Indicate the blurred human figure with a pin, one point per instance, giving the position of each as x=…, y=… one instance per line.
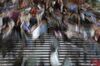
x=40, y=12
x=0, y=24
x=54, y=58
x=8, y=28
x=15, y=16
x=7, y=25
x=40, y=29
x=33, y=20
x=58, y=5
x=6, y=35
x=67, y=62
x=97, y=35
x=25, y=18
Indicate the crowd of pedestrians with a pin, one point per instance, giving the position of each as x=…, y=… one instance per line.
x=21, y=18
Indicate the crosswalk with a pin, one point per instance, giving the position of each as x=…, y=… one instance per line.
x=80, y=52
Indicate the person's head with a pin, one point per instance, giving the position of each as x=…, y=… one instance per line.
x=13, y=1
x=33, y=11
x=25, y=12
